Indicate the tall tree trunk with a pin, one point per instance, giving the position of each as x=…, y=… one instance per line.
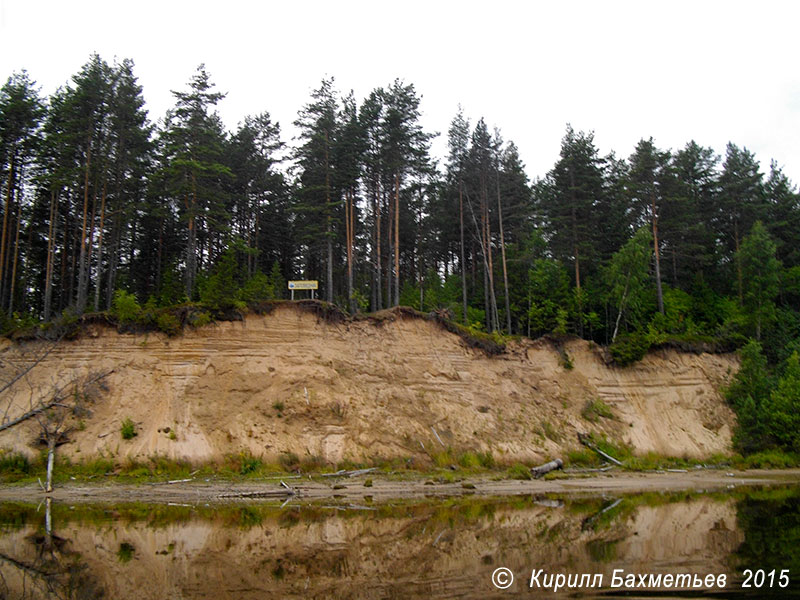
x=463, y=261
x=113, y=257
x=659, y=292
x=480, y=231
x=390, y=250
x=674, y=268
x=51, y=255
x=14, y=261
x=738, y=262
x=397, y=239
x=10, y=186
x=349, y=224
x=90, y=250
x=51, y=455
x=82, y=278
x=191, y=243
x=100, y=251
x=490, y=265
x=576, y=252
x=329, y=232
x=503, y=254
x=378, y=264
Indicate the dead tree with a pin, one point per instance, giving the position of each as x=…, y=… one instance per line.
x=56, y=407
x=58, y=412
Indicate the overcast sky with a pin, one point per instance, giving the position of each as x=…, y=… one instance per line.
x=710, y=71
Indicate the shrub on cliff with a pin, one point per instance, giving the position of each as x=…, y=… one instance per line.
x=629, y=348
x=125, y=307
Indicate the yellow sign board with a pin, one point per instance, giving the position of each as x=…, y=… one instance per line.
x=304, y=285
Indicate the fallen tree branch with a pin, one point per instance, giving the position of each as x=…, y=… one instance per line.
x=356, y=473
x=586, y=441
x=55, y=402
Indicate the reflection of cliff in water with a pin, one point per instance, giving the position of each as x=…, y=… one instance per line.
x=443, y=549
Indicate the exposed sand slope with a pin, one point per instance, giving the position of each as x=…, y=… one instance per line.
x=288, y=382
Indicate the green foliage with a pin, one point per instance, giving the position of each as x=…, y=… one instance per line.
x=13, y=466
x=218, y=290
x=548, y=290
x=761, y=275
x=550, y=432
x=629, y=348
x=125, y=307
x=289, y=461
x=168, y=323
x=126, y=552
x=769, y=459
x=747, y=394
x=199, y=319
x=277, y=282
x=782, y=407
x=128, y=429
x=469, y=460
x=257, y=288
x=518, y=471
x=627, y=278
x=248, y=463
x=593, y=410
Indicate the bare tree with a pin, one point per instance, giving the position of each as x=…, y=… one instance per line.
x=55, y=406
x=61, y=408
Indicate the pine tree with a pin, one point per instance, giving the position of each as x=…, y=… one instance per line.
x=405, y=155
x=317, y=202
x=783, y=210
x=576, y=185
x=21, y=112
x=458, y=144
x=194, y=140
x=649, y=168
x=740, y=203
x=687, y=215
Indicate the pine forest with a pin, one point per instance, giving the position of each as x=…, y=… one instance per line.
x=105, y=210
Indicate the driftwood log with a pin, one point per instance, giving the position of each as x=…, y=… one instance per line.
x=541, y=470
x=586, y=441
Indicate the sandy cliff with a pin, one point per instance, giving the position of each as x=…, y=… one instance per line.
x=290, y=382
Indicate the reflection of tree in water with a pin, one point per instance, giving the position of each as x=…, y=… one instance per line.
x=771, y=525
x=52, y=571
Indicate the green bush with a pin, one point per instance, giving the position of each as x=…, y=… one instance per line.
x=125, y=307
x=486, y=459
x=168, y=323
x=518, y=471
x=249, y=464
x=199, y=319
x=469, y=460
x=629, y=348
x=128, y=429
x=594, y=409
x=257, y=288
x=14, y=466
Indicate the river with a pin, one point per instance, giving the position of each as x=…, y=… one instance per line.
x=642, y=545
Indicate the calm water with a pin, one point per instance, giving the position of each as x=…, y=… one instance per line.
x=431, y=549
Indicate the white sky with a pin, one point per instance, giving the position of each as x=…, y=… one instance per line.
x=675, y=70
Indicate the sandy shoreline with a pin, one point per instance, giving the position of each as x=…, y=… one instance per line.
x=351, y=489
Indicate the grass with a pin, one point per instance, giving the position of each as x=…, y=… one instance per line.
x=768, y=459
x=128, y=429
x=594, y=410
x=445, y=466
